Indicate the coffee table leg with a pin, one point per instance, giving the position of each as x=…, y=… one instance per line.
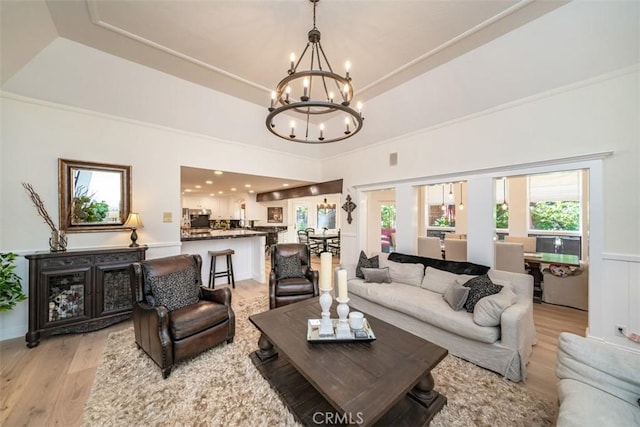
x=266, y=349
x=424, y=393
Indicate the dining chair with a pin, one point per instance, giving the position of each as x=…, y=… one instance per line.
x=509, y=256
x=570, y=291
x=528, y=242
x=455, y=249
x=429, y=247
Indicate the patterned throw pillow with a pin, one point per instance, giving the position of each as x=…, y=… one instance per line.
x=364, y=262
x=376, y=275
x=479, y=287
x=560, y=270
x=288, y=266
x=175, y=290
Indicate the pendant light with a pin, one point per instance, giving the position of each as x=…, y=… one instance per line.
x=450, y=191
x=461, y=206
x=444, y=207
x=505, y=206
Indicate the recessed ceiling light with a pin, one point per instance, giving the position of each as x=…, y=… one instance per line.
x=198, y=186
x=251, y=191
x=188, y=190
x=220, y=192
x=285, y=185
x=247, y=185
x=212, y=195
x=209, y=182
x=233, y=188
x=218, y=172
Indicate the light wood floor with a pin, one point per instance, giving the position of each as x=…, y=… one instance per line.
x=49, y=384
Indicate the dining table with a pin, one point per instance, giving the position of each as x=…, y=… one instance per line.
x=323, y=238
x=535, y=261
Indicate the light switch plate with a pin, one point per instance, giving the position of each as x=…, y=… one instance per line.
x=167, y=217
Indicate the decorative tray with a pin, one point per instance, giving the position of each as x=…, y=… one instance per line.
x=363, y=335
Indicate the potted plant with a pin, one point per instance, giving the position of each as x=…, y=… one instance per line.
x=10, y=286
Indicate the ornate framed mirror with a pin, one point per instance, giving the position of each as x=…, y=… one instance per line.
x=93, y=196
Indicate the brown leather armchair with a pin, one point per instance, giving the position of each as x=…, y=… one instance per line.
x=174, y=316
x=285, y=290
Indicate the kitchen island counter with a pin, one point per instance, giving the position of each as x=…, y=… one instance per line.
x=248, y=245
x=220, y=234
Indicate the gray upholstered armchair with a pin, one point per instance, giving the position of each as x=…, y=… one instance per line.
x=174, y=316
x=291, y=278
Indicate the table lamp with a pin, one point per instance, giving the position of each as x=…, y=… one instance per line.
x=133, y=222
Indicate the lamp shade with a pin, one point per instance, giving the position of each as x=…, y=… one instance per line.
x=134, y=221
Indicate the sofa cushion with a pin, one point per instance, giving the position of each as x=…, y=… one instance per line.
x=376, y=275
x=426, y=306
x=176, y=289
x=294, y=286
x=456, y=295
x=480, y=287
x=488, y=310
x=365, y=262
x=457, y=267
x=439, y=280
x=288, y=266
x=409, y=274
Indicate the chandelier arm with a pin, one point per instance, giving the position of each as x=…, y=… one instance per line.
x=300, y=59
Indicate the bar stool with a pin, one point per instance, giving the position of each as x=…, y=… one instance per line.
x=213, y=274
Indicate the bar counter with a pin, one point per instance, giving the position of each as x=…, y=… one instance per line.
x=220, y=234
x=248, y=260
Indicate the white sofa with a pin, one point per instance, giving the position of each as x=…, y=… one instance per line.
x=599, y=383
x=421, y=309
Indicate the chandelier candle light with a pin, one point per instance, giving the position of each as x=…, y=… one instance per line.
x=316, y=98
x=326, y=325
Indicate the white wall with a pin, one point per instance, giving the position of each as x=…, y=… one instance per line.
x=35, y=134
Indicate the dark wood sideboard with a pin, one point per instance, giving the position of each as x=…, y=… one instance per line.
x=79, y=290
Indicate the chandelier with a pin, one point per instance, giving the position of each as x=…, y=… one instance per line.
x=315, y=92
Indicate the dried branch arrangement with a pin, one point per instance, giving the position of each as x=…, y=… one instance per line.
x=39, y=204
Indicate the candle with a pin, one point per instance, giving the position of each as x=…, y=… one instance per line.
x=342, y=285
x=292, y=58
x=325, y=270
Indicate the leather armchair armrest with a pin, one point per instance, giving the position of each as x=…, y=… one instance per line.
x=273, y=281
x=151, y=327
x=313, y=277
x=221, y=295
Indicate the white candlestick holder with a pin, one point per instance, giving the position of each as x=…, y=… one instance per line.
x=343, y=331
x=326, y=325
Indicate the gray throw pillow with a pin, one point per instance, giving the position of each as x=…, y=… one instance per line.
x=376, y=275
x=479, y=287
x=175, y=290
x=288, y=266
x=364, y=262
x=456, y=296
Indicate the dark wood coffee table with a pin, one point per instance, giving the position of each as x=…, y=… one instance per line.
x=385, y=382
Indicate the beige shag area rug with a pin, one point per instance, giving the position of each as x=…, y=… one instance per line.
x=221, y=387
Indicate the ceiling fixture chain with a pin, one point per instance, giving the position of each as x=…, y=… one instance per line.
x=314, y=97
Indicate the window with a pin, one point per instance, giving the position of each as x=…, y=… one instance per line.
x=555, y=202
x=302, y=217
x=440, y=207
x=326, y=216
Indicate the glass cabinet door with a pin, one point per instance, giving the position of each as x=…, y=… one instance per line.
x=68, y=295
x=113, y=287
